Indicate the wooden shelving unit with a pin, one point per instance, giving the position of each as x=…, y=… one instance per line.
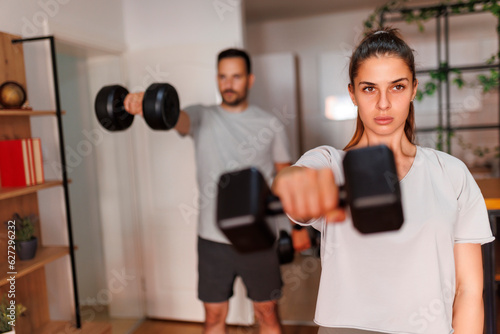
x=30, y=113
x=44, y=255
x=12, y=192
x=30, y=275
x=491, y=192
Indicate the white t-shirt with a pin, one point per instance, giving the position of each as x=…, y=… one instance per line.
x=226, y=141
x=401, y=281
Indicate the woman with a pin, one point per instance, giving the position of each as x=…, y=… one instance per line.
x=424, y=278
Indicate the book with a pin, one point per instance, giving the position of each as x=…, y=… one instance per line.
x=15, y=163
x=31, y=166
x=38, y=160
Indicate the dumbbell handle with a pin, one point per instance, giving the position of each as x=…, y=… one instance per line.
x=274, y=206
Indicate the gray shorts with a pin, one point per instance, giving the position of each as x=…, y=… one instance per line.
x=219, y=264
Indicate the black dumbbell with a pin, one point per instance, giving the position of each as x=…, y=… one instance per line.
x=371, y=191
x=284, y=247
x=243, y=202
x=160, y=107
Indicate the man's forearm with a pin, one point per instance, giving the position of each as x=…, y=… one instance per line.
x=183, y=123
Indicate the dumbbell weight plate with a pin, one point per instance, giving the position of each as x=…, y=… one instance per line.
x=161, y=106
x=109, y=108
x=373, y=190
x=240, y=213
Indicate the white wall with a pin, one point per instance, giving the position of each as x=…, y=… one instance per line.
x=175, y=42
x=333, y=36
x=275, y=90
x=80, y=142
x=118, y=206
x=93, y=21
x=153, y=24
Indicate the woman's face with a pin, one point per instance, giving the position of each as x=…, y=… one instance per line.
x=383, y=90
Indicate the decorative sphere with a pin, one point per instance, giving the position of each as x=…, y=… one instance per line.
x=12, y=95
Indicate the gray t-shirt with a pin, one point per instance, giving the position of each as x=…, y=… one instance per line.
x=401, y=281
x=226, y=141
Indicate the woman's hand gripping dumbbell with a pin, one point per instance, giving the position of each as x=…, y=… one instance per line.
x=371, y=192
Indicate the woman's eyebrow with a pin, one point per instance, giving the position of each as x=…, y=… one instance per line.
x=401, y=79
x=373, y=84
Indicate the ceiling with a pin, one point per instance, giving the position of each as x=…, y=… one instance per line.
x=267, y=10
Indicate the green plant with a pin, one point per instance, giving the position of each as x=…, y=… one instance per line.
x=373, y=19
x=24, y=226
x=8, y=314
x=489, y=82
x=479, y=151
x=439, y=76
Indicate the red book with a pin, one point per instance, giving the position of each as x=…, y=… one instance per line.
x=14, y=163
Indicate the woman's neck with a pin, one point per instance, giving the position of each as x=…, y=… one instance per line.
x=404, y=151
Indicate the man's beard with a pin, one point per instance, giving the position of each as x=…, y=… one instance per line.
x=237, y=101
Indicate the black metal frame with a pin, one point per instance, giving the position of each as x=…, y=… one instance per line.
x=63, y=162
x=443, y=12
x=490, y=285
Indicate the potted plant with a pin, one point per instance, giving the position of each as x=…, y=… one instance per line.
x=26, y=242
x=8, y=315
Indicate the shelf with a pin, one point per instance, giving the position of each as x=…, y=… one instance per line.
x=11, y=192
x=68, y=328
x=43, y=256
x=476, y=67
x=490, y=188
x=25, y=112
x=31, y=275
x=460, y=128
x=442, y=8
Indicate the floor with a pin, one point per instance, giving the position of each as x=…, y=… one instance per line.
x=164, y=327
x=300, y=278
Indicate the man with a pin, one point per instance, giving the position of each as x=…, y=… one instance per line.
x=231, y=136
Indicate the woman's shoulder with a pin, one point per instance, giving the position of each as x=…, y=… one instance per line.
x=330, y=153
x=439, y=161
x=442, y=158
x=323, y=157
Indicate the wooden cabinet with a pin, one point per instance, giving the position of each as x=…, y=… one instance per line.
x=30, y=283
x=490, y=189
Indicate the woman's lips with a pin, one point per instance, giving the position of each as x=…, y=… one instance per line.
x=383, y=120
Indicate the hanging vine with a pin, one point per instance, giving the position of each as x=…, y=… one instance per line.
x=438, y=76
x=488, y=81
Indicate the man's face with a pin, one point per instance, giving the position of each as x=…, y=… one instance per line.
x=234, y=81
